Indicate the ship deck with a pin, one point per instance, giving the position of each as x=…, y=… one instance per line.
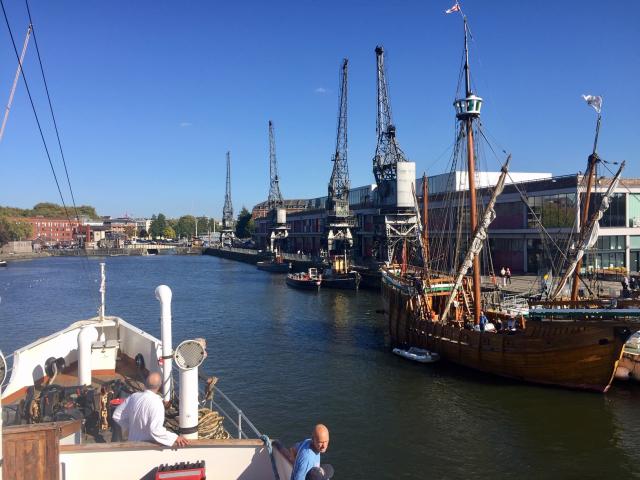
x=18, y=404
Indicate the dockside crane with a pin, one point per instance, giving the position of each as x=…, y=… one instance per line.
x=277, y=212
x=388, y=151
x=396, y=224
x=227, y=235
x=339, y=219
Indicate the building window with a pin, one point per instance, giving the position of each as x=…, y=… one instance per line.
x=608, y=252
x=615, y=215
x=554, y=211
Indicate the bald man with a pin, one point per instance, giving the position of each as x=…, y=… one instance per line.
x=143, y=415
x=307, y=454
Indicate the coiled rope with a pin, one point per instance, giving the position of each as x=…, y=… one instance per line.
x=210, y=425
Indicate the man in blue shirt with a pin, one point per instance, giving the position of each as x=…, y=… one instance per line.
x=308, y=455
x=483, y=321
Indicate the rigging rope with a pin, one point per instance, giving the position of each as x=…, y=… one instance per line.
x=53, y=117
x=44, y=142
x=33, y=107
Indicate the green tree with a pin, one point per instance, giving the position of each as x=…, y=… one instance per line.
x=142, y=233
x=245, y=226
x=4, y=232
x=169, y=232
x=214, y=226
x=130, y=231
x=203, y=225
x=186, y=226
x=12, y=230
x=49, y=210
x=158, y=225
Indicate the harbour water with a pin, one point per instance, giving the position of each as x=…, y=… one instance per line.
x=291, y=359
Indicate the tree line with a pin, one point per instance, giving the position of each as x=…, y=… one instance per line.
x=11, y=228
x=50, y=210
x=185, y=226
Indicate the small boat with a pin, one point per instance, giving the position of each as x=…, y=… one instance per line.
x=629, y=364
x=275, y=265
x=305, y=280
x=344, y=281
x=3, y=263
x=417, y=355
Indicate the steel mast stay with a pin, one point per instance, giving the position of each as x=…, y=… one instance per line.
x=15, y=82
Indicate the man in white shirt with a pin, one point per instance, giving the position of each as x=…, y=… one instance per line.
x=143, y=415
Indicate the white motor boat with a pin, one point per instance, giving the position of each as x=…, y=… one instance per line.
x=62, y=389
x=417, y=355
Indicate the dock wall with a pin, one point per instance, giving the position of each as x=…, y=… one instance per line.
x=299, y=263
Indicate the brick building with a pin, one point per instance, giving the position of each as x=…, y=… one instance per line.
x=51, y=229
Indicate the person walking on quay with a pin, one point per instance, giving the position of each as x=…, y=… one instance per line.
x=307, y=456
x=508, y=275
x=503, y=275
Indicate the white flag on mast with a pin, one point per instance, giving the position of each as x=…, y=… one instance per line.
x=594, y=101
x=455, y=8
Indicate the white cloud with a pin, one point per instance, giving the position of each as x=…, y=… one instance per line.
x=185, y=124
x=321, y=90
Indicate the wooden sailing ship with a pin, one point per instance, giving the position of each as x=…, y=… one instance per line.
x=558, y=345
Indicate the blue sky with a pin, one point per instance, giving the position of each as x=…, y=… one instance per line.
x=149, y=95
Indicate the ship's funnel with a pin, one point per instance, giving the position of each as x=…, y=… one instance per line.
x=189, y=356
x=86, y=337
x=164, y=295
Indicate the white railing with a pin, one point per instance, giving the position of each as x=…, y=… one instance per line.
x=516, y=302
x=236, y=413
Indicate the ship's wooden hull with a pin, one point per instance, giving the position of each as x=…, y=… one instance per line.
x=566, y=354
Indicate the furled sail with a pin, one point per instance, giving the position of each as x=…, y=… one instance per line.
x=479, y=237
x=589, y=235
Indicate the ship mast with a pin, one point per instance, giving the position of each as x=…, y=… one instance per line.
x=425, y=222
x=591, y=168
x=467, y=110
